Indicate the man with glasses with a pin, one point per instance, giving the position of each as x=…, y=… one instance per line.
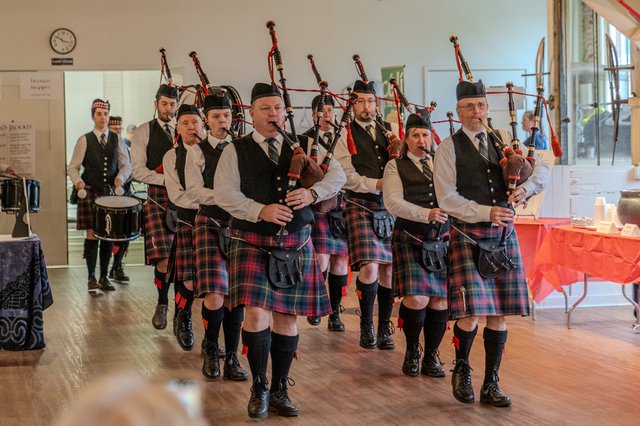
x=369, y=251
x=470, y=187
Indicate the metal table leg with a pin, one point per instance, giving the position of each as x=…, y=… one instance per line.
x=636, y=327
x=566, y=301
x=575, y=305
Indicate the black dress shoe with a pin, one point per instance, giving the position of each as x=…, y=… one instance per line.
x=211, y=362
x=232, y=368
x=118, y=274
x=384, y=335
x=93, y=283
x=159, y=319
x=279, y=401
x=335, y=323
x=461, y=382
x=315, y=321
x=411, y=364
x=491, y=394
x=367, y=336
x=259, y=401
x=105, y=284
x=183, y=330
x=431, y=365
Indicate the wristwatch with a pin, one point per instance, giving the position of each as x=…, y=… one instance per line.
x=314, y=194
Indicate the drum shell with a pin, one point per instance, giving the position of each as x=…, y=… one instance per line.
x=11, y=190
x=117, y=223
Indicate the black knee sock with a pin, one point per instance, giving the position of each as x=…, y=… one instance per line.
x=163, y=287
x=122, y=246
x=183, y=298
x=258, y=346
x=367, y=297
x=385, y=305
x=283, y=349
x=91, y=255
x=106, y=249
x=231, y=326
x=336, y=283
x=494, y=341
x=212, y=320
x=435, y=325
x=464, y=341
x=412, y=320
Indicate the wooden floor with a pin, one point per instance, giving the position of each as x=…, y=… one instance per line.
x=587, y=375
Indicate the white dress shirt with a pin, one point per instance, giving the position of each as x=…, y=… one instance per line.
x=445, y=178
x=393, y=194
x=139, y=142
x=227, y=182
x=194, y=167
x=74, y=166
x=177, y=193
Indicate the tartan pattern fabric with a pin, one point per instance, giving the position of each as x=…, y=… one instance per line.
x=409, y=276
x=323, y=239
x=157, y=237
x=185, y=264
x=211, y=266
x=86, y=211
x=505, y=294
x=364, y=245
x=249, y=285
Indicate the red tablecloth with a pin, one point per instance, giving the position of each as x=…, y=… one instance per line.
x=531, y=234
x=567, y=252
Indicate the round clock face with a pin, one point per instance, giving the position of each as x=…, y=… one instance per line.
x=63, y=41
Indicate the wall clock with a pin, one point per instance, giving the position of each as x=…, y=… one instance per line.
x=63, y=41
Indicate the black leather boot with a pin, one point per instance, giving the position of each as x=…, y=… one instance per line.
x=315, y=321
x=491, y=394
x=211, y=362
x=385, y=330
x=367, y=335
x=232, y=368
x=279, y=401
x=259, y=401
x=105, y=284
x=411, y=364
x=335, y=323
x=431, y=365
x=159, y=319
x=461, y=382
x=119, y=275
x=183, y=329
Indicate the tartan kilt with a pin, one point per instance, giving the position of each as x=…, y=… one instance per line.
x=410, y=278
x=86, y=210
x=249, y=285
x=323, y=239
x=364, y=245
x=211, y=265
x=185, y=265
x=505, y=294
x=157, y=237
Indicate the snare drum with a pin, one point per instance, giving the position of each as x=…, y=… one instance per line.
x=12, y=193
x=117, y=218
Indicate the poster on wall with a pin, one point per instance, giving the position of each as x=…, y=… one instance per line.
x=18, y=147
x=388, y=107
x=41, y=85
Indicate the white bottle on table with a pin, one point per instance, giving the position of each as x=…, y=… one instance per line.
x=599, y=210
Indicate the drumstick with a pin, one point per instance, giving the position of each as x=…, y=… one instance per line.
x=119, y=190
x=82, y=193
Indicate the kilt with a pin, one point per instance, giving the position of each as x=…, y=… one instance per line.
x=185, y=265
x=410, y=278
x=86, y=211
x=364, y=245
x=211, y=265
x=249, y=285
x=157, y=237
x=506, y=294
x=323, y=240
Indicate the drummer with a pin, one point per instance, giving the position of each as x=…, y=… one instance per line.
x=104, y=160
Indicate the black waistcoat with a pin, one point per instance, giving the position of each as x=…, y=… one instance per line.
x=477, y=179
x=371, y=156
x=211, y=158
x=265, y=182
x=100, y=163
x=159, y=144
x=417, y=189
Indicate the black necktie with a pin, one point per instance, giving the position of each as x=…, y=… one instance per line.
x=327, y=138
x=103, y=140
x=483, y=148
x=371, y=131
x=167, y=129
x=273, y=151
x=223, y=144
x=425, y=168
